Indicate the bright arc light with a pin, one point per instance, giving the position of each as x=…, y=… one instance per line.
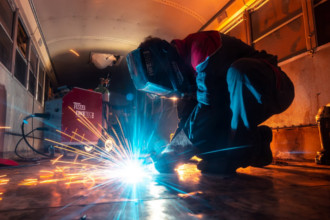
x=132, y=172
x=174, y=98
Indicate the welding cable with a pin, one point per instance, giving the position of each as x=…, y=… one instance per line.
x=39, y=115
x=19, y=141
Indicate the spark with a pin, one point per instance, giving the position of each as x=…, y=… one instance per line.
x=115, y=163
x=195, y=158
x=188, y=172
x=29, y=182
x=185, y=195
x=120, y=148
x=54, y=161
x=4, y=181
x=44, y=174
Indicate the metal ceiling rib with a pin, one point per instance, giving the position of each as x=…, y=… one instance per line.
x=184, y=9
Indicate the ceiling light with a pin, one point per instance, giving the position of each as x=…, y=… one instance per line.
x=102, y=60
x=74, y=52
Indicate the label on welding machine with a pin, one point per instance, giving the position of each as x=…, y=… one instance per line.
x=80, y=110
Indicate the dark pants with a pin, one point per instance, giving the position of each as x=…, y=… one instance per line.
x=254, y=95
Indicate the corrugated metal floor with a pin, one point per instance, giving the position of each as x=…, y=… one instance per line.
x=290, y=190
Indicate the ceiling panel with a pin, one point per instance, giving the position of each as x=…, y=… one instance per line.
x=112, y=26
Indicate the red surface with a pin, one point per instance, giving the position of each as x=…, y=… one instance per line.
x=84, y=102
x=8, y=162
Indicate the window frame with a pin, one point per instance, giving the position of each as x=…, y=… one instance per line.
x=33, y=52
x=24, y=58
x=306, y=14
x=9, y=36
x=41, y=70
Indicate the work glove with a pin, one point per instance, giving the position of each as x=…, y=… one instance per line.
x=180, y=150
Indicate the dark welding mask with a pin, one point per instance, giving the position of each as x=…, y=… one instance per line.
x=155, y=69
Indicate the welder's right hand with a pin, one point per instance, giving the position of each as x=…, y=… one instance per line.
x=178, y=151
x=165, y=162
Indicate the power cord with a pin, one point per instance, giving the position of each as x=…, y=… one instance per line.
x=27, y=135
x=25, y=121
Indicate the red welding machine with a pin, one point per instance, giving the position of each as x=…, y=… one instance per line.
x=78, y=114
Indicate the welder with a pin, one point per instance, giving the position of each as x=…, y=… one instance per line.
x=226, y=90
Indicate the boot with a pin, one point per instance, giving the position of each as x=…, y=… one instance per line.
x=262, y=155
x=219, y=165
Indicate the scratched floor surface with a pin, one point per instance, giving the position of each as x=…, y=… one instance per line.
x=292, y=190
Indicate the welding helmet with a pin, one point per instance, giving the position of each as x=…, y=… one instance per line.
x=155, y=69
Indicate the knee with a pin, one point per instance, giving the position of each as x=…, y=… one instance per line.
x=240, y=68
x=242, y=63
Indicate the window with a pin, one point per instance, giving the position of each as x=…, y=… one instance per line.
x=20, y=62
x=48, y=91
x=6, y=46
x=22, y=39
x=285, y=42
x=32, y=83
x=28, y=69
x=322, y=18
x=6, y=43
x=239, y=31
x=41, y=79
x=278, y=28
x=6, y=16
x=20, y=68
x=273, y=14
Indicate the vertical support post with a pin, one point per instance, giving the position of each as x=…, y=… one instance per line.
x=248, y=27
x=309, y=24
x=37, y=80
x=28, y=57
x=43, y=86
x=14, y=38
x=3, y=109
